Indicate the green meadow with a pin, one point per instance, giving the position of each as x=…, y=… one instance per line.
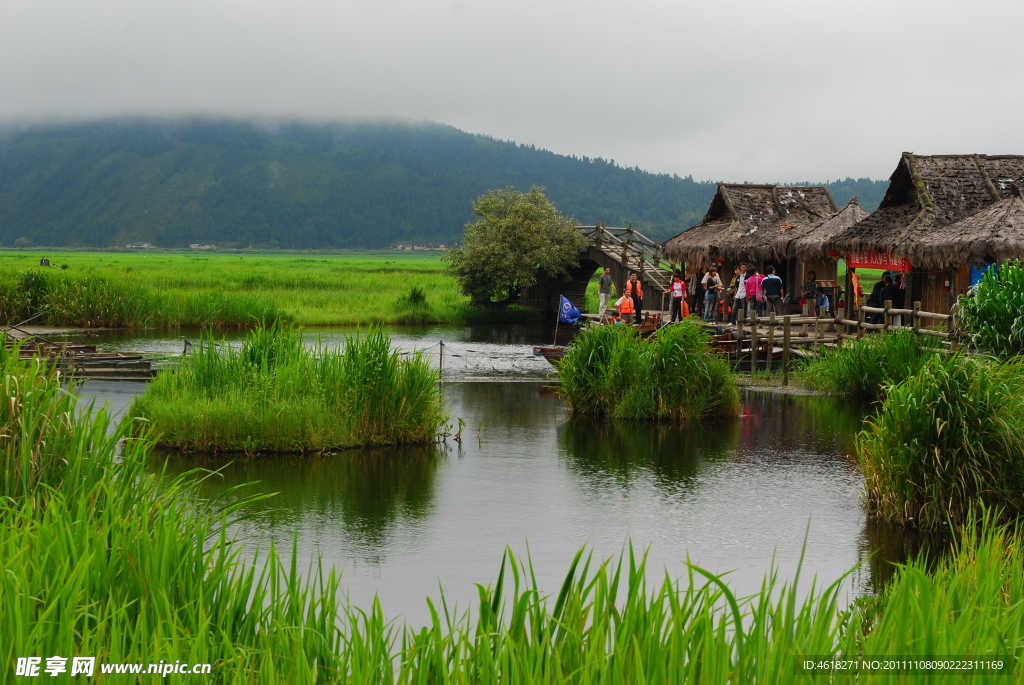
x=217, y=289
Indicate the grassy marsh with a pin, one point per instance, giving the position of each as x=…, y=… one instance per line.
x=164, y=288
x=276, y=394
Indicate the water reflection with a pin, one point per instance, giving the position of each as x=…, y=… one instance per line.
x=621, y=453
x=367, y=492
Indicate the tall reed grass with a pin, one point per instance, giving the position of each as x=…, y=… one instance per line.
x=944, y=440
x=610, y=371
x=100, y=558
x=72, y=298
x=276, y=394
x=864, y=368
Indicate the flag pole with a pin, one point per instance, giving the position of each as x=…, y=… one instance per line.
x=557, y=319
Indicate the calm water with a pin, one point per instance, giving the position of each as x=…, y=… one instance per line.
x=731, y=494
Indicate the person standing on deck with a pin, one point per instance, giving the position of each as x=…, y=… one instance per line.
x=678, y=290
x=697, y=293
x=635, y=291
x=713, y=286
x=739, y=302
x=773, y=291
x=755, y=297
x=811, y=293
x=604, y=291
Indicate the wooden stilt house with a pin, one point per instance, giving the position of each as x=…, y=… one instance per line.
x=921, y=227
x=747, y=222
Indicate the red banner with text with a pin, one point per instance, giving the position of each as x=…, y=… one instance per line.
x=877, y=260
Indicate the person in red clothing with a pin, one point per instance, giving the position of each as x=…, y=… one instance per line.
x=678, y=290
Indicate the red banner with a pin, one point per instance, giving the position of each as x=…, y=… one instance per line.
x=877, y=260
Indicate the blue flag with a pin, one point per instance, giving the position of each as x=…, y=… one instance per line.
x=567, y=312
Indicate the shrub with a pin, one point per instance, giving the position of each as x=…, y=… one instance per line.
x=863, y=368
x=611, y=371
x=994, y=315
x=945, y=439
x=276, y=394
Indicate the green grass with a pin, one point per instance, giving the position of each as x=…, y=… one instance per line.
x=610, y=371
x=864, y=368
x=164, y=288
x=99, y=557
x=944, y=440
x=275, y=394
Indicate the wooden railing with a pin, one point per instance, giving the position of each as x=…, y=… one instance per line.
x=827, y=331
x=632, y=249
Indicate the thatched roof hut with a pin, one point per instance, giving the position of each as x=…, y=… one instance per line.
x=808, y=242
x=744, y=221
x=927, y=193
x=995, y=233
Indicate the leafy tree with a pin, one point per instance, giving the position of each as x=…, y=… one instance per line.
x=515, y=235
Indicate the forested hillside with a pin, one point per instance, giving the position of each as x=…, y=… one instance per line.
x=301, y=185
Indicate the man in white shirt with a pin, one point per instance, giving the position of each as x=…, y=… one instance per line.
x=739, y=302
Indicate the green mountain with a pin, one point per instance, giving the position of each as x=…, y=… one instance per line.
x=303, y=185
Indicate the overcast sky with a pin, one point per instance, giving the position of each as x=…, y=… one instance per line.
x=723, y=90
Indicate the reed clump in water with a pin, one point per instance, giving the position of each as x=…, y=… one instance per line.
x=945, y=439
x=100, y=557
x=864, y=368
x=611, y=371
x=276, y=394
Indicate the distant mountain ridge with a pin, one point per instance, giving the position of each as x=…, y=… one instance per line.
x=304, y=185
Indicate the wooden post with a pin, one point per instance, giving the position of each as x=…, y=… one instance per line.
x=739, y=337
x=915, y=321
x=819, y=329
x=771, y=341
x=787, y=326
x=850, y=295
x=860, y=324
x=887, y=317
x=753, y=350
x=806, y=313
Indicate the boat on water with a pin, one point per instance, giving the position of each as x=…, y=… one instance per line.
x=553, y=354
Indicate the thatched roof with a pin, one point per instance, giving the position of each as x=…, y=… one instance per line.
x=744, y=221
x=927, y=193
x=995, y=233
x=809, y=241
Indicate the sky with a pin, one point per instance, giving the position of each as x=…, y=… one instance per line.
x=725, y=90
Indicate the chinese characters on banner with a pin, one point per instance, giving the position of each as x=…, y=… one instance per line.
x=877, y=260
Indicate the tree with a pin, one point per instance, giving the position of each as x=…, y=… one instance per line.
x=515, y=235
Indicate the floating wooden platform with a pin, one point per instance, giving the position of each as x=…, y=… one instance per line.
x=80, y=360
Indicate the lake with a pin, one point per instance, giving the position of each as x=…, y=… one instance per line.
x=736, y=495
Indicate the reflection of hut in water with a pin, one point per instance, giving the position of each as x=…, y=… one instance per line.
x=744, y=223
x=921, y=225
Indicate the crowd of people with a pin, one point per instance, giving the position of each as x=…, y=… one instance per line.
x=706, y=293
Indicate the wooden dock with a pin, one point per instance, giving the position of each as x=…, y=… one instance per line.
x=76, y=359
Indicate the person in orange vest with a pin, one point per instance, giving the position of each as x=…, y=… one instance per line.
x=625, y=307
x=635, y=291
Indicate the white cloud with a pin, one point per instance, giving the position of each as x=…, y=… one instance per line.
x=731, y=90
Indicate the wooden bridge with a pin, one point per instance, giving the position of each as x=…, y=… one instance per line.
x=623, y=250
